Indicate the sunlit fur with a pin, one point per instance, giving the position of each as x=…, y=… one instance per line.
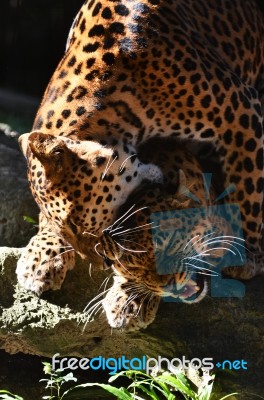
x=133, y=72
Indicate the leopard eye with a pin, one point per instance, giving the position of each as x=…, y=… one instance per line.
x=132, y=308
x=58, y=152
x=100, y=161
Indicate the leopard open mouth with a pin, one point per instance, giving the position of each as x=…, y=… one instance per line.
x=190, y=289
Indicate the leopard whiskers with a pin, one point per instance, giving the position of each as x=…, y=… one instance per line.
x=134, y=212
x=125, y=218
x=227, y=243
x=229, y=240
x=89, y=233
x=198, y=258
x=106, y=281
x=137, y=228
x=130, y=250
x=94, y=306
x=151, y=296
x=90, y=271
x=128, y=214
x=228, y=237
x=128, y=302
x=190, y=242
x=95, y=249
x=201, y=270
x=137, y=287
x=134, y=296
x=232, y=247
x=225, y=239
x=200, y=237
x=148, y=296
x=60, y=254
x=119, y=262
x=95, y=299
x=121, y=247
x=110, y=227
x=131, y=241
x=108, y=166
x=122, y=166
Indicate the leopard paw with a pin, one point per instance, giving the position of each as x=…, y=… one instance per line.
x=44, y=263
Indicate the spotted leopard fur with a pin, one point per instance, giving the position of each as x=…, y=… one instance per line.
x=133, y=71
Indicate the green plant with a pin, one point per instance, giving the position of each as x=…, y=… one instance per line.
x=167, y=385
x=55, y=382
x=5, y=394
x=30, y=220
x=164, y=385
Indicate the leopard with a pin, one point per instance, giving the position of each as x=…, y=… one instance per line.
x=133, y=71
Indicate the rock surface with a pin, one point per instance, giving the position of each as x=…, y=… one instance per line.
x=225, y=329
x=56, y=322
x=16, y=199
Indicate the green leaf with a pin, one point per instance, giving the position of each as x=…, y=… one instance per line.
x=179, y=383
x=116, y=376
x=246, y=393
x=29, y=219
x=129, y=374
x=9, y=396
x=47, y=366
x=151, y=392
x=229, y=395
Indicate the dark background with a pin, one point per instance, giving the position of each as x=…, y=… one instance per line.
x=34, y=34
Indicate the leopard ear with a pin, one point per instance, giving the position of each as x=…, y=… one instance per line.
x=49, y=150
x=23, y=142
